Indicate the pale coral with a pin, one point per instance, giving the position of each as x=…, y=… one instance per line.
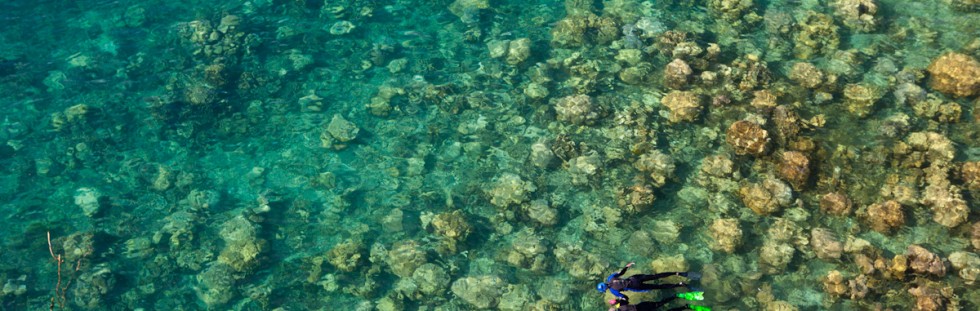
x=730, y=10
x=955, y=74
x=509, y=189
x=405, y=257
x=970, y=174
x=816, y=34
x=806, y=74
x=747, y=137
x=431, y=279
x=967, y=266
x=717, y=166
x=825, y=243
x=935, y=147
x=527, y=250
x=858, y=15
x=726, y=235
x=766, y=197
x=860, y=98
x=975, y=235
x=775, y=256
x=764, y=100
x=658, y=165
x=482, y=292
x=576, y=109
x=540, y=211
x=582, y=168
x=948, y=207
x=683, y=106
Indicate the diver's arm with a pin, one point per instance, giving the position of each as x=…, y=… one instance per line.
x=621, y=272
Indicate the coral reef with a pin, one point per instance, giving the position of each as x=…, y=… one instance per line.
x=452, y=228
x=242, y=244
x=405, y=257
x=835, y=203
x=966, y=265
x=747, y=137
x=884, y=216
x=860, y=99
x=677, y=73
x=726, y=235
x=766, y=197
x=479, y=291
x=93, y=286
x=658, y=165
x=527, y=251
x=955, y=74
x=431, y=279
x=825, y=244
x=88, y=200
x=948, y=207
x=775, y=256
x=794, y=167
x=833, y=284
x=858, y=15
x=576, y=109
x=346, y=256
x=513, y=52
x=922, y=261
x=683, y=106
x=509, y=189
x=816, y=35
x=806, y=74
x=338, y=133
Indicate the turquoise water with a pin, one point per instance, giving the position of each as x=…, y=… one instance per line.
x=488, y=154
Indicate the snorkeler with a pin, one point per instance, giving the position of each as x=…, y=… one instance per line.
x=616, y=285
x=623, y=304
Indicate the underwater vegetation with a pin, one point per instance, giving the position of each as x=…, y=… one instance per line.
x=488, y=154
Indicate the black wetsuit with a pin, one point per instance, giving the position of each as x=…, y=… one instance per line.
x=635, y=282
x=647, y=305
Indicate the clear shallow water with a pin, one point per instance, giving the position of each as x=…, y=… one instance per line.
x=444, y=155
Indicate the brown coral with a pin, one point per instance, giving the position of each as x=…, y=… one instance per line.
x=885, y=216
x=932, y=296
x=794, y=167
x=955, y=74
x=835, y=203
x=747, y=137
x=833, y=284
x=922, y=261
x=677, y=73
x=970, y=174
x=453, y=228
x=683, y=105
